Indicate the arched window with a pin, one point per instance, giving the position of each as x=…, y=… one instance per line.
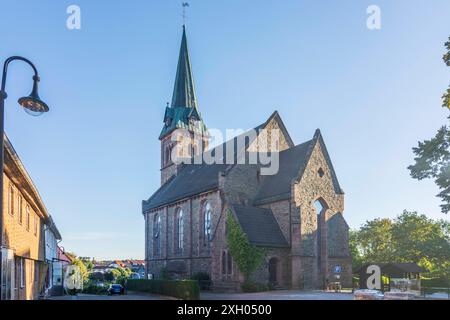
x=224, y=262
x=157, y=234
x=321, y=207
x=180, y=229
x=229, y=263
x=207, y=223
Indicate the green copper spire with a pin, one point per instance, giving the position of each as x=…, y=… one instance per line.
x=184, y=91
x=183, y=112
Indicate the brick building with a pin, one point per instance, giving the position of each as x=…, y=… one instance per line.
x=296, y=213
x=25, y=268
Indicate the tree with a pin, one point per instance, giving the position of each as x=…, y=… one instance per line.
x=355, y=253
x=83, y=270
x=246, y=256
x=423, y=241
x=432, y=159
x=112, y=275
x=375, y=240
x=410, y=237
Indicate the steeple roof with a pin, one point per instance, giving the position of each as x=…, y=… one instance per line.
x=183, y=112
x=184, y=91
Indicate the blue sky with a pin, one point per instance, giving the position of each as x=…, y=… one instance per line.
x=95, y=156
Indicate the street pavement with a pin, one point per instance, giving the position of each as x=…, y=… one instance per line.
x=278, y=295
x=128, y=296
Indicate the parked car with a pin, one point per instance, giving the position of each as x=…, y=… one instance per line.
x=116, y=289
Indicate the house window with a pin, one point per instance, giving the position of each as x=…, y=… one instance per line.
x=157, y=234
x=207, y=223
x=19, y=209
x=21, y=273
x=28, y=218
x=35, y=224
x=36, y=273
x=11, y=200
x=180, y=229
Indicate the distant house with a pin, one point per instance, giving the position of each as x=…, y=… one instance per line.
x=117, y=264
x=54, y=272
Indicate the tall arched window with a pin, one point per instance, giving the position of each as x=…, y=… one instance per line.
x=157, y=234
x=321, y=207
x=207, y=223
x=180, y=229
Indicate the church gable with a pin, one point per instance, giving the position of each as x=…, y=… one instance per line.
x=318, y=179
x=266, y=141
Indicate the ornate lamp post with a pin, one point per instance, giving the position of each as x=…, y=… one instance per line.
x=34, y=106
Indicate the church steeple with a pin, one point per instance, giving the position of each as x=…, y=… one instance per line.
x=184, y=90
x=184, y=132
x=183, y=112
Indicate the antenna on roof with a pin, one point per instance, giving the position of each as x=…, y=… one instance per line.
x=184, y=5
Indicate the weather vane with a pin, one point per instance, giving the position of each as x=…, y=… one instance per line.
x=184, y=5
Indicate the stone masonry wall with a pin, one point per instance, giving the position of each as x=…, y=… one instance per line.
x=311, y=188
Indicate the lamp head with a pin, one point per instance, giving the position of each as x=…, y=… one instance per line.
x=32, y=104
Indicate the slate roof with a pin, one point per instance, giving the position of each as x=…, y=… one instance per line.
x=278, y=186
x=191, y=180
x=292, y=164
x=260, y=226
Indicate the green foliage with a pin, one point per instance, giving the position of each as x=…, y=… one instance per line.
x=183, y=289
x=433, y=161
x=124, y=275
x=83, y=270
x=112, y=275
x=357, y=258
x=249, y=286
x=94, y=288
x=432, y=157
x=96, y=276
x=246, y=256
x=165, y=274
x=204, y=280
x=411, y=237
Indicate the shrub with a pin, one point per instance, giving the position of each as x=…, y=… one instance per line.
x=93, y=288
x=435, y=283
x=204, y=280
x=182, y=289
x=165, y=274
x=249, y=286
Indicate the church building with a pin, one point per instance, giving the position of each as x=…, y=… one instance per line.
x=296, y=214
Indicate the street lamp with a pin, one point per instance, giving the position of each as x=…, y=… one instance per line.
x=33, y=105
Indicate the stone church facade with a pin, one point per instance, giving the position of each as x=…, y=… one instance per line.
x=296, y=213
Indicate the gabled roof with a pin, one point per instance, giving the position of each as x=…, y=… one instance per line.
x=260, y=226
x=278, y=186
x=292, y=165
x=193, y=179
x=190, y=180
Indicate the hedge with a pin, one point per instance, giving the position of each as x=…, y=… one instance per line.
x=182, y=289
x=435, y=283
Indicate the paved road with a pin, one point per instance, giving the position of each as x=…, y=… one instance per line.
x=128, y=296
x=278, y=295
x=270, y=295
